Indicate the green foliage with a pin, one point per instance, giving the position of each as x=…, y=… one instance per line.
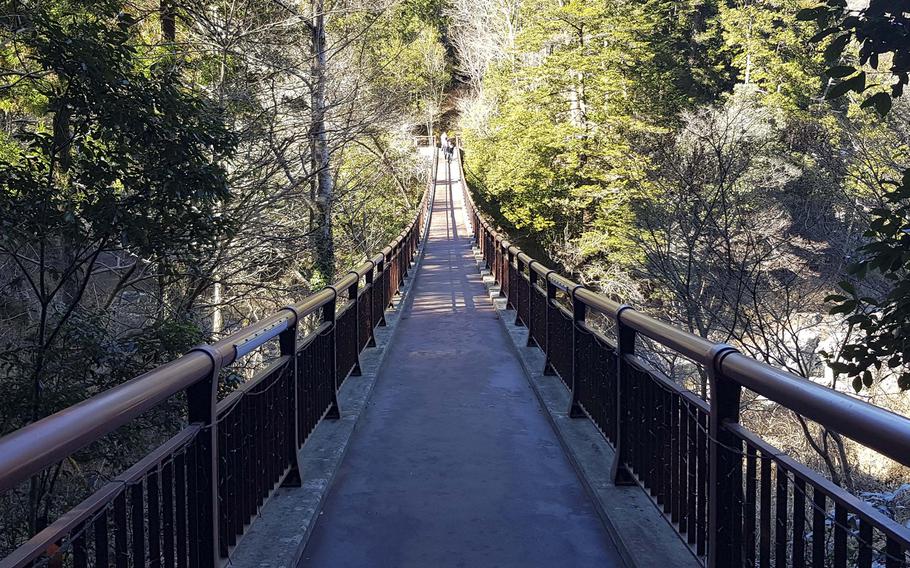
x=123, y=159
x=589, y=78
x=125, y=153
x=882, y=315
x=881, y=32
x=402, y=47
x=769, y=48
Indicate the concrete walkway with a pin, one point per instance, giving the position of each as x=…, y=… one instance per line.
x=454, y=463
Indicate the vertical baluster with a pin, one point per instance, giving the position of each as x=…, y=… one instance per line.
x=80, y=557
x=234, y=423
x=519, y=289
x=369, y=290
x=840, y=536
x=799, y=522
x=379, y=291
x=864, y=544
x=102, y=547
x=764, y=522
x=895, y=554
x=201, y=399
x=121, y=546
x=225, y=478
x=192, y=503
x=692, y=459
x=637, y=425
x=780, y=517
x=248, y=458
x=154, y=518
x=749, y=508
x=655, y=427
x=258, y=419
x=167, y=513
x=329, y=316
x=180, y=506
x=682, y=486
x=671, y=461
x=550, y=327
x=287, y=343
x=608, y=387
x=622, y=423
x=354, y=345
x=579, y=312
x=703, y=480
x=819, y=507
x=268, y=436
x=532, y=298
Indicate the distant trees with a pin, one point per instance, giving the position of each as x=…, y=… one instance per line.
x=702, y=161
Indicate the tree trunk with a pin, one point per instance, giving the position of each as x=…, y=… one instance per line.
x=168, y=21
x=320, y=155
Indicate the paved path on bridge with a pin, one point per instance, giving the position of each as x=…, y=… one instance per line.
x=454, y=463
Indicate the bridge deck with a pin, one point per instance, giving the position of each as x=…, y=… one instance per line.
x=453, y=463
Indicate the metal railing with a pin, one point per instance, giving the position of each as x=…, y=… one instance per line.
x=735, y=499
x=188, y=502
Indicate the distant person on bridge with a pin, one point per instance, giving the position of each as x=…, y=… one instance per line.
x=448, y=147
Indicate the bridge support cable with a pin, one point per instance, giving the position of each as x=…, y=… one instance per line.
x=734, y=498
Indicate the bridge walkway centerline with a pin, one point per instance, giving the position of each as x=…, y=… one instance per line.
x=453, y=462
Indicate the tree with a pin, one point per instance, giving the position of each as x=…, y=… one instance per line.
x=882, y=316
x=119, y=170
x=768, y=46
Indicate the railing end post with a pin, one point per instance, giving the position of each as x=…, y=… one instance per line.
x=287, y=342
x=725, y=468
x=625, y=345
x=201, y=399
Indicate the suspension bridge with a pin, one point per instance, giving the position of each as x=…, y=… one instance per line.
x=454, y=402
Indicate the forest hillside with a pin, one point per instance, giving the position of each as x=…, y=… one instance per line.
x=723, y=165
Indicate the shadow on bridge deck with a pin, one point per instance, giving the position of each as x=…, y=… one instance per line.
x=453, y=462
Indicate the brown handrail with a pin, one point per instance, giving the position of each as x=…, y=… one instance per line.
x=40, y=444
x=880, y=429
x=688, y=453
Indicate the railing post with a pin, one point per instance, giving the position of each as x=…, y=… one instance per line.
x=379, y=288
x=725, y=467
x=497, y=261
x=353, y=292
x=579, y=311
x=287, y=342
x=625, y=346
x=506, y=270
x=519, y=268
x=488, y=250
x=203, y=506
x=510, y=257
x=370, y=289
x=329, y=315
x=548, y=369
x=532, y=297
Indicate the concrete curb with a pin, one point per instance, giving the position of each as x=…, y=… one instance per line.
x=278, y=536
x=642, y=534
